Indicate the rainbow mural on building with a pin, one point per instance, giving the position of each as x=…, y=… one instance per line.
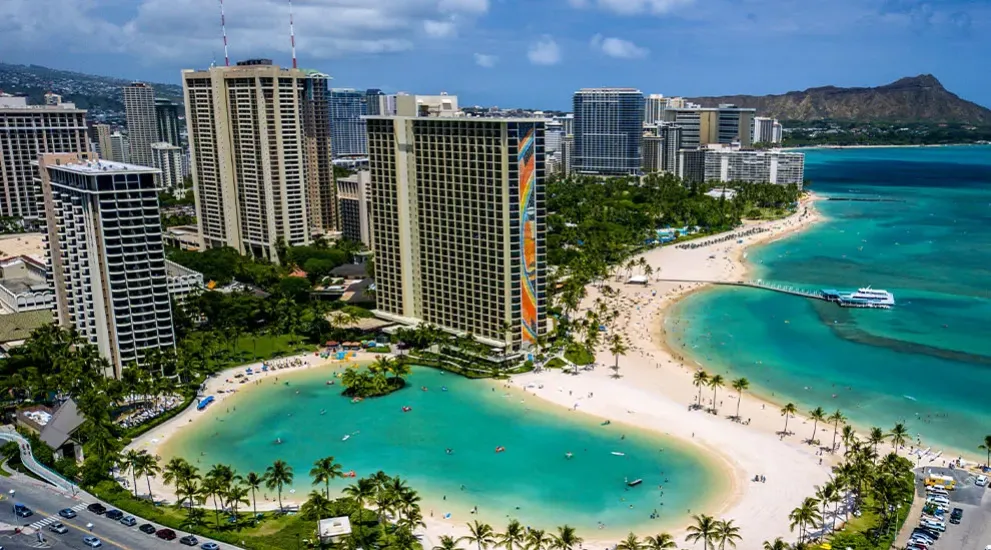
x=528, y=227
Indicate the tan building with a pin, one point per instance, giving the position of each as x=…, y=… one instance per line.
x=103, y=140
x=26, y=131
x=355, y=202
x=726, y=124
x=458, y=223
x=142, y=125
x=426, y=105
x=252, y=164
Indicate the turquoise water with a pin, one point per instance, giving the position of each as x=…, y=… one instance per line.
x=927, y=361
x=472, y=419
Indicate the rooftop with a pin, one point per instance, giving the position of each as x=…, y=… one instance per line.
x=18, y=326
x=98, y=166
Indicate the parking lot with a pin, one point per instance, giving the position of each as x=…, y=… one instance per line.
x=974, y=530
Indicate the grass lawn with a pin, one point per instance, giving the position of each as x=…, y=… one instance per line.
x=554, y=363
x=250, y=348
x=579, y=356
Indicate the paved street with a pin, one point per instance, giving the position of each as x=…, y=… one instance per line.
x=46, y=502
x=974, y=531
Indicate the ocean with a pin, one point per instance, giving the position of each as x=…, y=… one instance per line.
x=926, y=362
x=532, y=480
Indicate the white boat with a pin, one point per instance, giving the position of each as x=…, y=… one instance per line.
x=873, y=295
x=617, y=453
x=345, y=438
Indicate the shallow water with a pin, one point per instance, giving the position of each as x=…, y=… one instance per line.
x=927, y=361
x=472, y=419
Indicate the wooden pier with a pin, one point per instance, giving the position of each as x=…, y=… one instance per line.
x=782, y=289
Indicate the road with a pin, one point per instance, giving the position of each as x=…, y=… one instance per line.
x=974, y=530
x=45, y=501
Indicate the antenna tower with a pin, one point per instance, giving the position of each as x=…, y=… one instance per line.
x=292, y=36
x=223, y=28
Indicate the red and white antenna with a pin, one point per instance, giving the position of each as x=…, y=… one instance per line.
x=292, y=36
x=223, y=28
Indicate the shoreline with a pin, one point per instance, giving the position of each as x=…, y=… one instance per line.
x=928, y=145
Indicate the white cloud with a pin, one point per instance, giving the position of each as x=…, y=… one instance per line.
x=544, y=52
x=485, y=60
x=633, y=7
x=187, y=31
x=618, y=48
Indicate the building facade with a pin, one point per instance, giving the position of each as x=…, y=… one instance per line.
x=670, y=135
x=608, y=130
x=724, y=125
x=763, y=130
x=120, y=148
x=458, y=219
x=567, y=155
x=321, y=191
x=654, y=106
x=347, y=127
x=24, y=285
x=26, y=131
x=167, y=158
x=103, y=140
x=653, y=153
x=142, y=127
x=778, y=167
x=105, y=255
x=247, y=142
x=355, y=200
x=167, y=122
x=691, y=165
x=426, y=105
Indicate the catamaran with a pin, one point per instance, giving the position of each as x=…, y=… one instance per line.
x=873, y=295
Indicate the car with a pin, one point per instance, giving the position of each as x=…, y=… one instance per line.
x=981, y=481
x=189, y=540
x=916, y=545
x=932, y=524
x=92, y=542
x=931, y=533
x=129, y=521
x=920, y=542
x=58, y=528
x=956, y=515
x=97, y=508
x=67, y=513
x=924, y=538
x=165, y=534
x=210, y=545
x=147, y=528
x=115, y=515
x=22, y=511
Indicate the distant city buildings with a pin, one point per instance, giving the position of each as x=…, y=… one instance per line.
x=321, y=192
x=347, y=127
x=767, y=131
x=426, y=105
x=726, y=164
x=25, y=132
x=608, y=130
x=355, y=199
x=459, y=235
x=167, y=121
x=726, y=124
x=105, y=255
x=249, y=163
x=103, y=145
x=167, y=158
x=120, y=148
x=142, y=127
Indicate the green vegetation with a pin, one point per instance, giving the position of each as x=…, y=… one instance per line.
x=836, y=132
x=375, y=380
x=579, y=355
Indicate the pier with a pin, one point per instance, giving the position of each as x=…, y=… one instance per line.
x=824, y=295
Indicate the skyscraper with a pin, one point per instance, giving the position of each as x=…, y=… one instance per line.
x=249, y=160
x=168, y=160
x=670, y=135
x=142, y=128
x=320, y=186
x=167, y=121
x=608, y=130
x=103, y=141
x=724, y=125
x=654, y=106
x=105, y=255
x=25, y=131
x=377, y=102
x=120, y=148
x=458, y=223
x=347, y=128
x=355, y=200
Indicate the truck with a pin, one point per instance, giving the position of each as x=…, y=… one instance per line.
x=938, y=480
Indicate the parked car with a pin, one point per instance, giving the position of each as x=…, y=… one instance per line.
x=956, y=515
x=165, y=534
x=931, y=533
x=92, y=542
x=210, y=546
x=129, y=521
x=932, y=524
x=189, y=540
x=22, y=511
x=981, y=481
x=147, y=528
x=97, y=508
x=58, y=528
x=67, y=513
x=115, y=515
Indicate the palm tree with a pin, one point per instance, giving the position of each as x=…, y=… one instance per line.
x=848, y=436
x=278, y=475
x=317, y=506
x=661, y=541
x=703, y=529
x=740, y=385
x=787, y=411
x=805, y=515
x=565, y=539
x=778, y=544
x=127, y=461
x=479, y=534
x=513, y=537
x=715, y=383
x=835, y=418
x=254, y=482
x=898, y=436
x=726, y=533
x=631, y=542
x=324, y=470
x=236, y=495
x=816, y=415
x=146, y=465
x=876, y=436
x=361, y=492
x=538, y=539
x=447, y=542
x=700, y=379
x=986, y=446
x=617, y=347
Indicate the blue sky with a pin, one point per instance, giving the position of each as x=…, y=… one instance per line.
x=529, y=53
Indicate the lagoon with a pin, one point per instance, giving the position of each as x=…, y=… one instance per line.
x=531, y=480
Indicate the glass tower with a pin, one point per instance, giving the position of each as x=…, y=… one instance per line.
x=347, y=128
x=608, y=130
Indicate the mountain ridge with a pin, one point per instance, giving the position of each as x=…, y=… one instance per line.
x=919, y=98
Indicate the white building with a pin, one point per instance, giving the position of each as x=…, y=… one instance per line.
x=777, y=167
x=443, y=105
x=105, y=255
x=553, y=134
x=24, y=285
x=776, y=133
x=142, y=124
x=168, y=159
x=182, y=281
x=120, y=148
x=767, y=130
x=654, y=106
x=355, y=201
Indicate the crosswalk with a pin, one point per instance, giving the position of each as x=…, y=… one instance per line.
x=42, y=523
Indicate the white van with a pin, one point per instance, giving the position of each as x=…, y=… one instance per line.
x=938, y=500
x=981, y=481
x=936, y=490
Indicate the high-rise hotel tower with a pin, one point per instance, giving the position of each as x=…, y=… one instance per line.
x=253, y=167
x=458, y=220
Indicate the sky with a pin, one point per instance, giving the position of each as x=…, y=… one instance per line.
x=523, y=53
